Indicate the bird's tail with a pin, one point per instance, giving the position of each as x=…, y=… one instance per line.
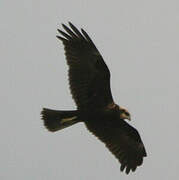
x=56, y=120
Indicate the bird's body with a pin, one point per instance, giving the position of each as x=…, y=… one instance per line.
x=89, y=79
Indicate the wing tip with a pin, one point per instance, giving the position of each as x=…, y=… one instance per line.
x=70, y=23
x=61, y=38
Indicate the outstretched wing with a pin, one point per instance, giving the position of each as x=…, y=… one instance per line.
x=89, y=76
x=123, y=141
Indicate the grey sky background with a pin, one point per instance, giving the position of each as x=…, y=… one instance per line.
x=139, y=41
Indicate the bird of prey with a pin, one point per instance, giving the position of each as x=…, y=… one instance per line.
x=89, y=80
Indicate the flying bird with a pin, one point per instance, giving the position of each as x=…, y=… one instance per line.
x=89, y=79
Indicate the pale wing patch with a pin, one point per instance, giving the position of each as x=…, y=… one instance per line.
x=64, y=120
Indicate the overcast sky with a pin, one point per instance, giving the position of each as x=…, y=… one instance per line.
x=139, y=41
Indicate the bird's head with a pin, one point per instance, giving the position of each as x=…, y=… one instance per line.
x=124, y=114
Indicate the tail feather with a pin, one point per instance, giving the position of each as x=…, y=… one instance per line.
x=56, y=120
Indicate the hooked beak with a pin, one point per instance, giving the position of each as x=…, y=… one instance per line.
x=124, y=116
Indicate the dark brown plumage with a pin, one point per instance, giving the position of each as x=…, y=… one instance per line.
x=89, y=79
